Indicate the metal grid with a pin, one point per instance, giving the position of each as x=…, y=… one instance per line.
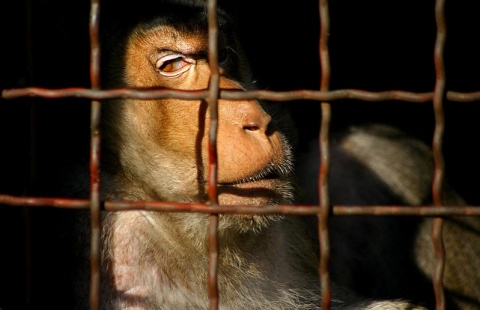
x=323, y=211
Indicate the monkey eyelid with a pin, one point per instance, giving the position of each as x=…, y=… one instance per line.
x=173, y=65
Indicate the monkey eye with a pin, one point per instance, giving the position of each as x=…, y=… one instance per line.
x=173, y=65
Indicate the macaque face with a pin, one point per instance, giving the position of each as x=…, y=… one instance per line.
x=164, y=143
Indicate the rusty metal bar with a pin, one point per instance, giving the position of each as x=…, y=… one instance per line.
x=212, y=99
x=135, y=93
x=95, y=196
x=29, y=270
x=463, y=97
x=337, y=210
x=439, y=170
x=44, y=202
x=324, y=169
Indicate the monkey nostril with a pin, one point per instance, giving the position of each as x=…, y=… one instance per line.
x=252, y=117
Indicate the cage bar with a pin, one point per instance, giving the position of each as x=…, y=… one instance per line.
x=439, y=169
x=303, y=94
x=337, y=210
x=212, y=99
x=95, y=195
x=323, y=173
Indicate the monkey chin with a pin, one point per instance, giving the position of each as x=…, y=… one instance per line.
x=263, y=192
x=242, y=224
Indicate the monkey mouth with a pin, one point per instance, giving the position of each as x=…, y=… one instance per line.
x=269, y=174
x=269, y=186
x=253, y=179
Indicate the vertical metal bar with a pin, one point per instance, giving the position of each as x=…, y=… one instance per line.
x=324, y=242
x=32, y=148
x=438, y=178
x=212, y=154
x=95, y=159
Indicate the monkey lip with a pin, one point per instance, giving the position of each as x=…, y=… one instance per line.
x=269, y=178
x=264, y=180
x=262, y=189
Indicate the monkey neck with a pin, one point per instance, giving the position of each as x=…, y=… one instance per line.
x=236, y=248
x=161, y=251
x=190, y=232
x=185, y=235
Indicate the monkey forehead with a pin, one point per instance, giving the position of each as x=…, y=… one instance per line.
x=170, y=38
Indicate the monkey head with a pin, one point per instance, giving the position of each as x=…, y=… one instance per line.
x=160, y=147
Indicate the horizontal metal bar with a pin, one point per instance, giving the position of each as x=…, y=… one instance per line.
x=302, y=94
x=341, y=210
x=103, y=94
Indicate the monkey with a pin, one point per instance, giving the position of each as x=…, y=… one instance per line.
x=377, y=258
x=156, y=150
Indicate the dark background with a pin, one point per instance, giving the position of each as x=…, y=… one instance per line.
x=375, y=45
